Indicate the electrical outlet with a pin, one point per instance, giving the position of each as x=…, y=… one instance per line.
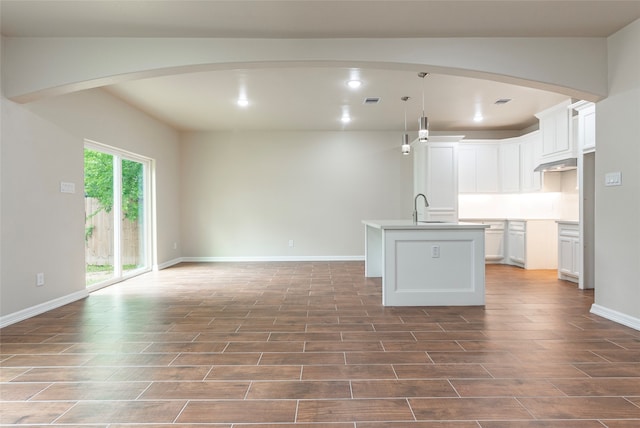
x=291, y=243
x=40, y=279
x=435, y=251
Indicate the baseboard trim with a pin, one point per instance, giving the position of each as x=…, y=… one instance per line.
x=276, y=259
x=167, y=264
x=42, y=308
x=616, y=316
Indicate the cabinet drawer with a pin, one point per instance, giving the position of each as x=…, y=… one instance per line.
x=517, y=226
x=570, y=230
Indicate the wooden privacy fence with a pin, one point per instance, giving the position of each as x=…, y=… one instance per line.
x=99, y=237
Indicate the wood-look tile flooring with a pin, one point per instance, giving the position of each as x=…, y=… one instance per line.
x=275, y=345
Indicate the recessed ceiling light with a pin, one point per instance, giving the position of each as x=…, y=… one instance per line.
x=243, y=102
x=345, y=118
x=354, y=84
x=478, y=117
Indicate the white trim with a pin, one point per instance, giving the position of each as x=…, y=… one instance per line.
x=168, y=264
x=42, y=308
x=115, y=151
x=149, y=210
x=276, y=259
x=616, y=316
x=116, y=212
x=128, y=275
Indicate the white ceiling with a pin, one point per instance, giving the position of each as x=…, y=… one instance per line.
x=305, y=98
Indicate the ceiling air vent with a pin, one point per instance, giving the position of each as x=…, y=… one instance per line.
x=502, y=101
x=371, y=100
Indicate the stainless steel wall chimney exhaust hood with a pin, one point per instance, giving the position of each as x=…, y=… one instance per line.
x=559, y=165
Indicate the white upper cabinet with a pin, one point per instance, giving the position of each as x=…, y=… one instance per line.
x=478, y=167
x=586, y=132
x=557, y=143
x=530, y=153
x=436, y=175
x=505, y=166
x=510, y=166
x=466, y=169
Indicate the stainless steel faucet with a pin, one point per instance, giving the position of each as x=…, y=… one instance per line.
x=415, y=206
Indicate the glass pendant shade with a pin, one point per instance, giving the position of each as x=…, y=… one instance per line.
x=406, y=148
x=423, y=129
x=423, y=122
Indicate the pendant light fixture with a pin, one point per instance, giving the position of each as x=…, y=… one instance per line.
x=423, y=122
x=406, y=148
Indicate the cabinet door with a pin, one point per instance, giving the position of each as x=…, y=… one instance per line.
x=466, y=169
x=516, y=247
x=510, y=167
x=576, y=257
x=548, y=130
x=487, y=169
x=478, y=169
x=566, y=255
x=587, y=127
x=562, y=140
x=494, y=245
x=530, y=151
x=554, y=127
x=436, y=175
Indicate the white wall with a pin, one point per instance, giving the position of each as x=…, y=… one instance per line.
x=574, y=66
x=39, y=232
x=43, y=229
x=245, y=195
x=96, y=115
x=617, y=234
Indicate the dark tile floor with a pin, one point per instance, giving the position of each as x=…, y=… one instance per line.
x=274, y=345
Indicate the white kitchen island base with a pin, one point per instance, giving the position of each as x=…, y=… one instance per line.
x=426, y=264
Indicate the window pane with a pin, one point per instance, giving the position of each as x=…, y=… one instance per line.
x=133, y=228
x=98, y=191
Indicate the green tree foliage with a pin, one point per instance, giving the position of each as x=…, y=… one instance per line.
x=98, y=183
x=131, y=189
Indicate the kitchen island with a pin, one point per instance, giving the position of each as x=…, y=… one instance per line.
x=426, y=263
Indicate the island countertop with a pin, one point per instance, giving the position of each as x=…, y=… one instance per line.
x=410, y=225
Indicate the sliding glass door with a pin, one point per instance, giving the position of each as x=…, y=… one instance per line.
x=116, y=215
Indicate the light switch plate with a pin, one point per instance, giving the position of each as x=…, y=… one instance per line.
x=66, y=187
x=613, y=179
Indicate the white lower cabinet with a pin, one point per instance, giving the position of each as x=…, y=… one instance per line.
x=529, y=244
x=517, y=231
x=532, y=244
x=494, y=246
x=569, y=251
x=494, y=242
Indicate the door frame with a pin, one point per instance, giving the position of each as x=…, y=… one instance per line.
x=148, y=210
